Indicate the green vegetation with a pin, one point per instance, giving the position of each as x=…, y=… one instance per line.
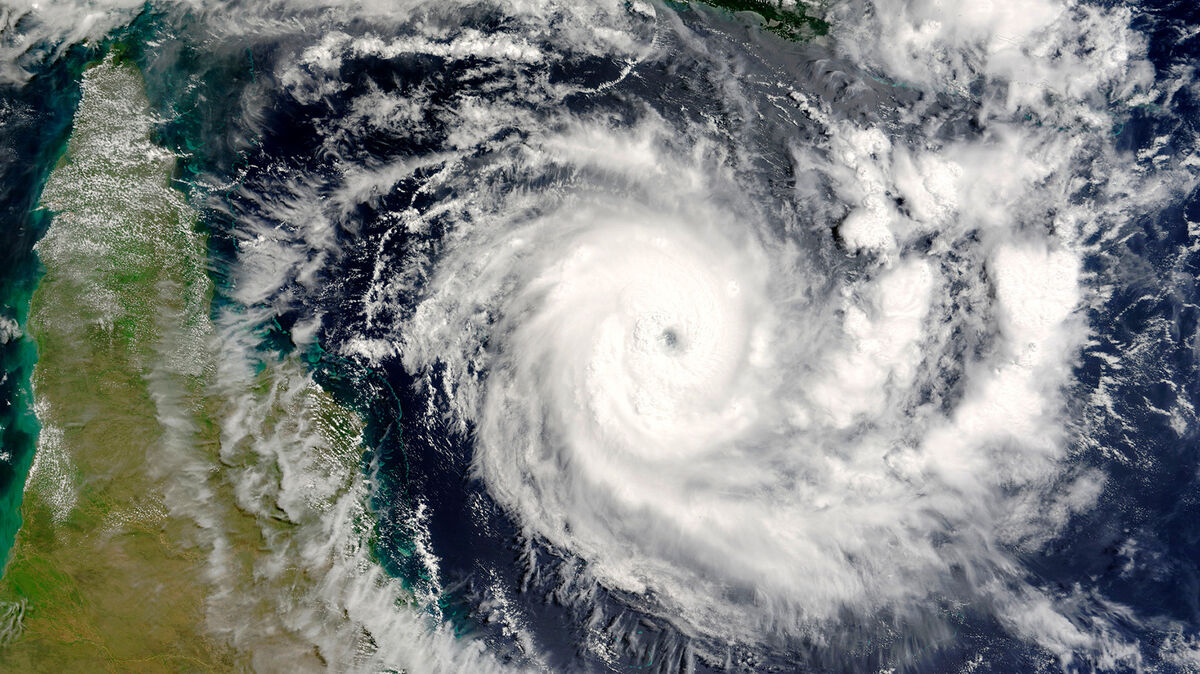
x=111, y=569
x=792, y=21
x=99, y=577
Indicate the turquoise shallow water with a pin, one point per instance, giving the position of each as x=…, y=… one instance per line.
x=38, y=119
x=245, y=122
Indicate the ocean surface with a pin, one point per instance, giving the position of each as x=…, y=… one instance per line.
x=653, y=336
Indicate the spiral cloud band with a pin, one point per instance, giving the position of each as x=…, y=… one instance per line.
x=678, y=345
x=667, y=387
x=782, y=358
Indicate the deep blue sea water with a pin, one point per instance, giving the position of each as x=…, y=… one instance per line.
x=246, y=138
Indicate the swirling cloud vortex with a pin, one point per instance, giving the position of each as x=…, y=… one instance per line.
x=664, y=386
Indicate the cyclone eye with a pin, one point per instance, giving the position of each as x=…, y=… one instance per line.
x=671, y=341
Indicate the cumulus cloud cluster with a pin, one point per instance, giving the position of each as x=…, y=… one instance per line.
x=760, y=414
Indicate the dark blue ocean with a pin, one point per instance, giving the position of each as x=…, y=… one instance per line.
x=263, y=149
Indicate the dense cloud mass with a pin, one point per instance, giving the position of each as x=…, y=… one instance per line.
x=785, y=349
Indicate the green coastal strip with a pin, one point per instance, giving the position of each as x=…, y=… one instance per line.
x=795, y=20
x=97, y=579
x=159, y=530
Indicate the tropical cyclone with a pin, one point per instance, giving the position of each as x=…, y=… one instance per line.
x=665, y=386
x=710, y=347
